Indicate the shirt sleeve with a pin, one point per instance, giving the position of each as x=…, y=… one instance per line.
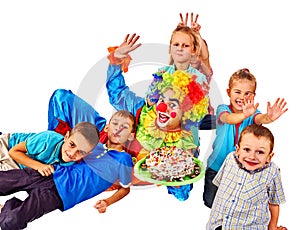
x=120, y=96
x=276, y=193
x=126, y=171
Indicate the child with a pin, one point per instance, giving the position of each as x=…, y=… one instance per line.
x=201, y=62
x=70, y=185
x=232, y=119
x=183, y=45
x=40, y=150
x=249, y=185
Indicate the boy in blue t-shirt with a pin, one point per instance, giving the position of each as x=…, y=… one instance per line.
x=70, y=185
x=40, y=150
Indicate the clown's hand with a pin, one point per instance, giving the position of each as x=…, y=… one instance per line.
x=127, y=46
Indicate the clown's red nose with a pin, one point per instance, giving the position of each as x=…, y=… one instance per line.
x=162, y=107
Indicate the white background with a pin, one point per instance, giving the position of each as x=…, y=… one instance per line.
x=45, y=45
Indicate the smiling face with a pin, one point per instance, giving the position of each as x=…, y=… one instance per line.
x=169, y=114
x=75, y=147
x=254, y=152
x=239, y=91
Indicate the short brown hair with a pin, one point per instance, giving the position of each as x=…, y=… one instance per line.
x=258, y=131
x=125, y=114
x=89, y=131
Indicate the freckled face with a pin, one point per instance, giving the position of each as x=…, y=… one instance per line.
x=169, y=114
x=254, y=152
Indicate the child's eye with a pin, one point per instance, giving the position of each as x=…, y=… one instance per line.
x=72, y=144
x=186, y=46
x=247, y=149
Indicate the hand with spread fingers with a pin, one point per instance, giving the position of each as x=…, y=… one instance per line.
x=194, y=25
x=128, y=45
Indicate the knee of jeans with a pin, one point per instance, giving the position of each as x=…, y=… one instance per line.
x=10, y=222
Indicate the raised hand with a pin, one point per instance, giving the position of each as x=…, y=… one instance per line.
x=127, y=46
x=275, y=111
x=249, y=108
x=194, y=25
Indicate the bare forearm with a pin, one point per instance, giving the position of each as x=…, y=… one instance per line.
x=274, y=210
x=262, y=119
x=118, y=195
x=233, y=118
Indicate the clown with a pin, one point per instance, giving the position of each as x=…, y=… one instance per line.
x=174, y=104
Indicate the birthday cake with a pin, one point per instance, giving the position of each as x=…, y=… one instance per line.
x=170, y=164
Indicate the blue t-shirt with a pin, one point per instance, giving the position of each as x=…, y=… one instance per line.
x=16, y=138
x=96, y=173
x=226, y=137
x=44, y=147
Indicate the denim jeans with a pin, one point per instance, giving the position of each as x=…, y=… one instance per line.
x=210, y=189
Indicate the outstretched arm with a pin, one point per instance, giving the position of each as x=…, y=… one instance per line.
x=273, y=112
x=249, y=108
x=102, y=205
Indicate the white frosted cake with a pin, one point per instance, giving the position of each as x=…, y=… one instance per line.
x=170, y=163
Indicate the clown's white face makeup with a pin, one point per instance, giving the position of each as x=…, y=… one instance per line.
x=169, y=114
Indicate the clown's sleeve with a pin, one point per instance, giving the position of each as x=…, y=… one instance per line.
x=120, y=96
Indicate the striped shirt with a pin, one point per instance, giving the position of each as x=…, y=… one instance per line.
x=243, y=197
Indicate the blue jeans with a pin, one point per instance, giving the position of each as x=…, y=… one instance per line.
x=210, y=189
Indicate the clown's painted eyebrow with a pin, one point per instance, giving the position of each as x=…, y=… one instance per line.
x=171, y=99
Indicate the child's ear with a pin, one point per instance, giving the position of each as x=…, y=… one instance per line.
x=228, y=92
x=67, y=135
x=237, y=148
x=131, y=137
x=105, y=128
x=270, y=157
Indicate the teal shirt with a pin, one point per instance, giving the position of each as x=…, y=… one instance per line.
x=44, y=147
